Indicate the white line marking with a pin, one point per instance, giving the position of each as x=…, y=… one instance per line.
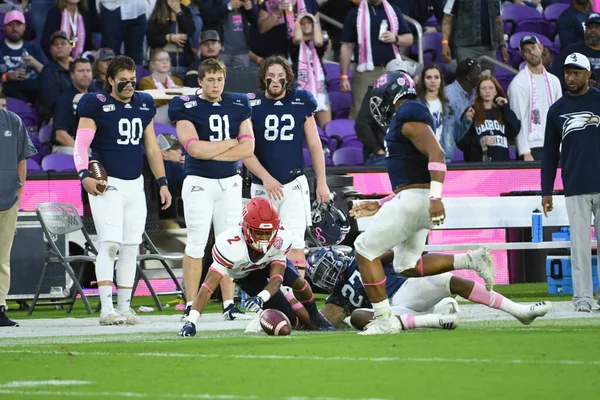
x=19, y=384
x=315, y=358
x=166, y=396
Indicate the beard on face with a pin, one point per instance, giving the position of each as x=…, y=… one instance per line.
x=591, y=39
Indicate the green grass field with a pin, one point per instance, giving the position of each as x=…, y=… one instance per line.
x=551, y=359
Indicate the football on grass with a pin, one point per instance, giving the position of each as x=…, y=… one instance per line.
x=98, y=172
x=275, y=323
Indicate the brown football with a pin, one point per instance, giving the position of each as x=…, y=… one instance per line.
x=275, y=323
x=98, y=172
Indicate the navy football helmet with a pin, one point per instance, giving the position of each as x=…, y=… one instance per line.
x=388, y=89
x=329, y=224
x=325, y=267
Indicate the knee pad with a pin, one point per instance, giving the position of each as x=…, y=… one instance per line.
x=127, y=265
x=105, y=261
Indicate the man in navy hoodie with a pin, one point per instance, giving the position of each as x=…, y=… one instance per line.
x=574, y=121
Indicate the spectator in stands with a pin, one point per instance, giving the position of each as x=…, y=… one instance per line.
x=547, y=58
x=2, y=100
x=537, y=4
x=160, y=66
x=171, y=27
x=461, y=92
x=210, y=47
x=590, y=47
x=124, y=21
x=422, y=10
x=571, y=22
x=373, y=49
x=306, y=55
x=15, y=149
x=20, y=62
x=531, y=93
x=71, y=17
x=474, y=28
x=171, y=151
x=105, y=56
x=448, y=126
x=195, y=39
x=65, y=113
x=55, y=77
x=276, y=20
x=493, y=126
x=232, y=21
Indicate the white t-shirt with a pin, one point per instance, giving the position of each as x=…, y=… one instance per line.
x=435, y=108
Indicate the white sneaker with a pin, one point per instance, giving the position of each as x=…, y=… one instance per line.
x=130, y=316
x=111, y=317
x=254, y=326
x=437, y=321
x=481, y=262
x=382, y=326
x=532, y=312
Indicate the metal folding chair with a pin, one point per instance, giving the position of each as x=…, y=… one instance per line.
x=58, y=219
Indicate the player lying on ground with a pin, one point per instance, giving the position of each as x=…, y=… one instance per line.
x=338, y=274
x=244, y=254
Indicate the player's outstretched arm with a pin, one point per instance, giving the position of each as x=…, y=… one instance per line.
x=317, y=157
x=157, y=164
x=201, y=149
x=245, y=147
x=256, y=303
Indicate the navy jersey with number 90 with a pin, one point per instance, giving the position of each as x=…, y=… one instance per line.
x=279, y=132
x=120, y=131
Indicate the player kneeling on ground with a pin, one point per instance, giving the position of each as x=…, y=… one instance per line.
x=338, y=274
x=244, y=254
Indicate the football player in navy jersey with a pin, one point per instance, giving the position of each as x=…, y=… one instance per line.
x=411, y=299
x=283, y=119
x=115, y=124
x=416, y=167
x=215, y=130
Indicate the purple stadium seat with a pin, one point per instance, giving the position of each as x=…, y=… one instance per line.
x=515, y=39
x=432, y=21
x=338, y=131
x=19, y=107
x=552, y=12
x=39, y=146
x=458, y=155
x=45, y=133
x=340, y=104
x=432, y=48
x=353, y=142
x=161, y=129
x=332, y=70
x=141, y=72
x=518, y=18
x=504, y=81
x=58, y=163
x=33, y=166
x=307, y=160
x=348, y=156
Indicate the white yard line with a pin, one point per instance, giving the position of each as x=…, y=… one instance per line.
x=54, y=382
x=313, y=358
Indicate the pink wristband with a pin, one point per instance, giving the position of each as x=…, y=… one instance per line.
x=277, y=276
x=245, y=135
x=386, y=199
x=187, y=143
x=436, y=166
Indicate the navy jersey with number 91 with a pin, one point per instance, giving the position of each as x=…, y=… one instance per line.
x=120, y=131
x=279, y=132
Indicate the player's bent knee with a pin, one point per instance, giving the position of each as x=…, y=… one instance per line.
x=195, y=249
x=361, y=317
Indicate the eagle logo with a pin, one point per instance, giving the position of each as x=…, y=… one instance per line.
x=578, y=121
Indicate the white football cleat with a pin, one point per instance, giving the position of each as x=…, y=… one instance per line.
x=111, y=317
x=481, y=262
x=130, y=316
x=530, y=313
x=382, y=326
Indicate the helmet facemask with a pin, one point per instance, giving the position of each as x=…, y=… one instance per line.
x=260, y=238
x=326, y=269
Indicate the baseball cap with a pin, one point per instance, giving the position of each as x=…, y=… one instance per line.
x=528, y=39
x=209, y=35
x=578, y=60
x=593, y=18
x=167, y=141
x=396, y=65
x=465, y=66
x=14, y=15
x=106, y=54
x=58, y=34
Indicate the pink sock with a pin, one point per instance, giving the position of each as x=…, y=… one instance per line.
x=408, y=322
x=482, y=296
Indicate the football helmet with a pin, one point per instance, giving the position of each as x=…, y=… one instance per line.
x=388, y=89
x=260, y=223
x=325, y=267
x=329, y=224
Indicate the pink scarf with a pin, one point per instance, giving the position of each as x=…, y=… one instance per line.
x=287, y=18
x=596, y=6
x=159, y=85
x=75, y=31
x=363, y=23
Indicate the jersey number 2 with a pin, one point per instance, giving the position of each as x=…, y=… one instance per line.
x=349, y=291
x=130, y=131
x=234, y=239
x=272, y=130
x=220, y=126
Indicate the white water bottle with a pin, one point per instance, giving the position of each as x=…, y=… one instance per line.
x=383, y=28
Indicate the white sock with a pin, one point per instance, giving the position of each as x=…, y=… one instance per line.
x=105, y=297
x=123, y=299
x=227, y=303
x=461, y=261
x=194, y=317
x=382, y=309
x=189, y=304
x=512, y=308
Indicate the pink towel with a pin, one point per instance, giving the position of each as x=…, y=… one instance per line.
x=363, y=23
x=74, y=31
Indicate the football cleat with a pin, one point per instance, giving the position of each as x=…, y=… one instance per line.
x=186, y=313
x=111, y=317
x=530, y=313
x=438, y=321
x=130, y=316
x=188, y=330
x=232, y=312
x=4, y=320
x=480, y=261
x=382, y=326
x=321, y=323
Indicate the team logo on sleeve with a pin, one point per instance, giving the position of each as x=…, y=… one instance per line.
x=184, y=98
x=278, y=243
x=578, y=121
x=251, y=96
x=101, y=97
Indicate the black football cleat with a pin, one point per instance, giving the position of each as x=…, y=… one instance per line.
x=232, y=312
x=188, y=330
